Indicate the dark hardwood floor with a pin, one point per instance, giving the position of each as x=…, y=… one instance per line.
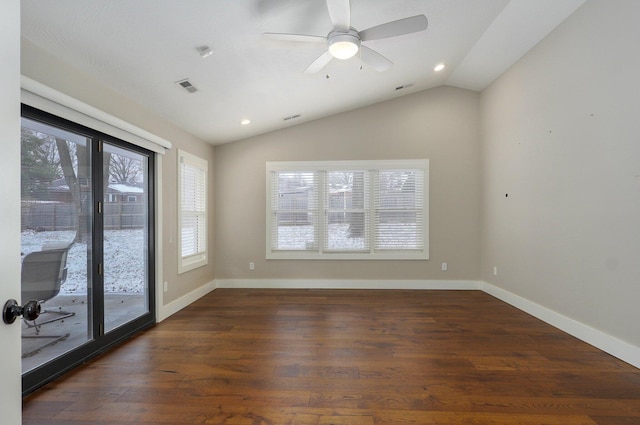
x=297, y=357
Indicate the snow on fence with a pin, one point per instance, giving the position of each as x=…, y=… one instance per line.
x=55, y=216
x=47, y=215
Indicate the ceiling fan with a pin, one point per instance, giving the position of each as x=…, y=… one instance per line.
x=344, y=42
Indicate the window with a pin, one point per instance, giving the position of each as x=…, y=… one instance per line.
x=348, y=210
x=192, y=212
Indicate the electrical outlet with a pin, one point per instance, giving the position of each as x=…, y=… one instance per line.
x=252, y=266
x=495, y=270
x=444, y=267
x=165, y=287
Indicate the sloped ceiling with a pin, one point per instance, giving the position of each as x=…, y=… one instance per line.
x=142, y=48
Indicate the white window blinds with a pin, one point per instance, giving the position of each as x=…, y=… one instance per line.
x=347, y=209
x=399, y=210
x=192, y=186
x=294, y=210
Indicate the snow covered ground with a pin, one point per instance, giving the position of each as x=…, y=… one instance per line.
x=298, y=237
x=393, y=235
x=124, y=259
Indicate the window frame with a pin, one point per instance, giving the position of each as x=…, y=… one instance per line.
x=99, y=340
x=201, y=257
x=322, y=167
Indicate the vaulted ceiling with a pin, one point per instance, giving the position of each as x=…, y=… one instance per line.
x=141, y=48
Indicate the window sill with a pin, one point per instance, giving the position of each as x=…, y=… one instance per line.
x=291, y=255
x=191, y=263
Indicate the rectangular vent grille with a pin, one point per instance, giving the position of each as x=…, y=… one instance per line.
x=186, y=84
x=406, y=86
x=291, y=117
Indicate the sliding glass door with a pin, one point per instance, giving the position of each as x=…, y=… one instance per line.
x=56, y=240
x=126, y=232
x=87, y=243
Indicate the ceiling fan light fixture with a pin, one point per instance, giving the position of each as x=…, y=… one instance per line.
x=343, y=45
x=344, y=42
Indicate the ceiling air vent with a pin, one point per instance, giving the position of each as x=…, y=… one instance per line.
x=406, y=86
x=291, y=117
x=186, y=84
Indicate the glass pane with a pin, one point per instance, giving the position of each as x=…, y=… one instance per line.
x=347, y=217
x=294, y=206
x=125, y=236
x=56, y=218
x=193, y=209
x=399, y=212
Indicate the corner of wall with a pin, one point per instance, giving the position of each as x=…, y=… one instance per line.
x=609, y=344
x=164, y=311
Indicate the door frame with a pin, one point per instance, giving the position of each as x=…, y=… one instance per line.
x=10, y=357
x=99, y=341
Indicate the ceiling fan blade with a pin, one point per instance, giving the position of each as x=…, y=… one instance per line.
x=295, y=37
x=395, y=28
x=340, y=13
x=319, y=63
x=374, y=59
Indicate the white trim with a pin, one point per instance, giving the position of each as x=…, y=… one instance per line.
x=175, y=306
x=40, y=96
x=605, y=342
x=417, y=255
x=10, y=369
x=623, y=350
x=201, y=258
x=353, y=165
x=158, y=238
x=347, y=284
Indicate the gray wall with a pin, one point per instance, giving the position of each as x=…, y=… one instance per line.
x=558, y=133
x=561, y=137
x=44, y=68
x=441, y=125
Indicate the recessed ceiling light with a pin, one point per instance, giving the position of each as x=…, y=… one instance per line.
x=439, y=67
x=205, y=51
x=245, y=122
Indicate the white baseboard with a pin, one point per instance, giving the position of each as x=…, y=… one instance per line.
x=173, y=307
x=605, y=342
x=347, y=284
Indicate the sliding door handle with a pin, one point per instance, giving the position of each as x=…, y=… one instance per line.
x=30, y=311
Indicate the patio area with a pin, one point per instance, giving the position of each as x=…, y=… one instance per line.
x=61, y=336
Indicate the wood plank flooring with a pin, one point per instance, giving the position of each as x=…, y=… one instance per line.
x=344, y=357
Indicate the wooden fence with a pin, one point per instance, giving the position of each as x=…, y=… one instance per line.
x=52, y=216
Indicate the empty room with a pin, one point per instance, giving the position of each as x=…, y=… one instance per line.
x=320, y=212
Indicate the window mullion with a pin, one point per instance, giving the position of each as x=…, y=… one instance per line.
x=373, y=178
x=323, y=212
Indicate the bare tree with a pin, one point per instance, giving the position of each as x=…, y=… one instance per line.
x=78, y=184
x=39, y=164
x=124, y=169
x=341, y=180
